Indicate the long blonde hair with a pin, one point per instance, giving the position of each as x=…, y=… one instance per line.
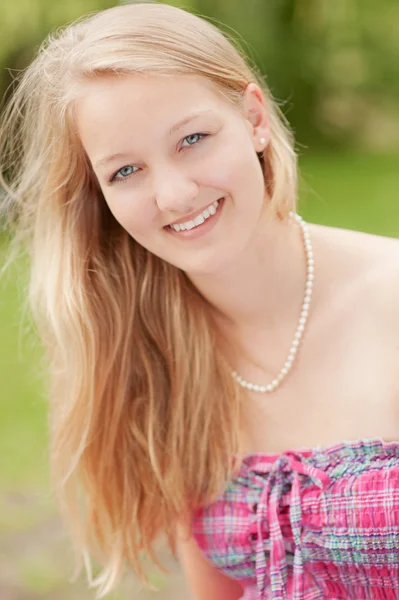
x=145, y=416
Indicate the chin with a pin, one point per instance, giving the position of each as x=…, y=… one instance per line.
x=212, y=265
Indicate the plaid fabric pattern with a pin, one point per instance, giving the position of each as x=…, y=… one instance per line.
x=310, y=524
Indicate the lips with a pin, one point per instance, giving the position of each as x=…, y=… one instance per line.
x=202, y=229
x=192, y=215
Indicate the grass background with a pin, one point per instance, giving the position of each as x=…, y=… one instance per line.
x=343, y=190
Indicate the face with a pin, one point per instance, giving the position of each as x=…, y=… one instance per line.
x=177, y=164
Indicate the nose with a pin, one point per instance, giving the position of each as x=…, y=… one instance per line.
x=174, y=191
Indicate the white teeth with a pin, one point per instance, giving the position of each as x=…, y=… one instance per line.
x=199, y=219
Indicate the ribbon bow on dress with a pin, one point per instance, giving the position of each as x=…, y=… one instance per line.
x=288, y=467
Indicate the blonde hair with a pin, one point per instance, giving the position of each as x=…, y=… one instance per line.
x=145, y=416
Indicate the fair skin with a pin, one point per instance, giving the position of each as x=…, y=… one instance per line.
x=251, y=269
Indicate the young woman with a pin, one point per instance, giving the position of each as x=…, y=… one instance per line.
x=209, y=351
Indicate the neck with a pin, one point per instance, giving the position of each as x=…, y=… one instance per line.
x=263, y=288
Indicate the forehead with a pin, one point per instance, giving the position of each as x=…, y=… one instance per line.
x=146, y=99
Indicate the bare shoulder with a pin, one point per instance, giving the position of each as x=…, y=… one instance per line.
x=355, y=239
x=367, y=252
x=365, y=263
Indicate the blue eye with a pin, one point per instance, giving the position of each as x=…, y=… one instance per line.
x=195, y=135
x=125, y=171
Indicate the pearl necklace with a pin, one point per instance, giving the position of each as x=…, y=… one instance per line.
x=302, y=319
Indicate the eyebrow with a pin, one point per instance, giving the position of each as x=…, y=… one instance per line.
x=188, y=119
x=173, y=129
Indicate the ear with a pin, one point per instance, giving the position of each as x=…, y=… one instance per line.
x=256, y=116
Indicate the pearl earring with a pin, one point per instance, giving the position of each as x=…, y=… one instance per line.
x=262, y=140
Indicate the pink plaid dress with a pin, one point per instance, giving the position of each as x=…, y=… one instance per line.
x=310, y=524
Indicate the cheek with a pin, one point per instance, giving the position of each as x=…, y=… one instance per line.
x=132, y=213
x=234, y=165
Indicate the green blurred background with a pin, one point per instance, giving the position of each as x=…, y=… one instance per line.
x=333, y=67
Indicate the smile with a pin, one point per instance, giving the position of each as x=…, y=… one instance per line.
x=199, y=219
x=200, y=225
